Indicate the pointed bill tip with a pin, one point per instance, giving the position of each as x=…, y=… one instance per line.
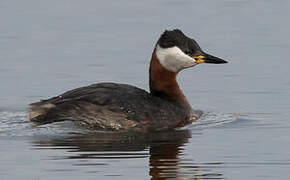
x=213, y=60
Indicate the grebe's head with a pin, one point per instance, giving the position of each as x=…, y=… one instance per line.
x=175, y=51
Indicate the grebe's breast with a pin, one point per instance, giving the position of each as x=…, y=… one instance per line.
x=111, y=106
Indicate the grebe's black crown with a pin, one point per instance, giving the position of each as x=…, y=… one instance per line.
x=177, y=38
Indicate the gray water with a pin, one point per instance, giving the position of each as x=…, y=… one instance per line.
x=48, y=47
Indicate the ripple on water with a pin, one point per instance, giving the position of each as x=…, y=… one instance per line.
x=211, y=119
x=12, y=121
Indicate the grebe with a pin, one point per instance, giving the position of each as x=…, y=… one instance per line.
x=113, y=106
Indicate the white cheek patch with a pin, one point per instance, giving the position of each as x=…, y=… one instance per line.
x=174, y=59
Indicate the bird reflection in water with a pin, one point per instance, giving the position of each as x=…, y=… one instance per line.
x=165, y=151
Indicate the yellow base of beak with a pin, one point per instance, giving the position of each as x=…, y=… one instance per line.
x=199, y=59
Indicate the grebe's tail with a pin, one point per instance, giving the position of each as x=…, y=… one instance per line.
x=43, y=112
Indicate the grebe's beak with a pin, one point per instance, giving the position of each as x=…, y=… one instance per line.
x=207, y=58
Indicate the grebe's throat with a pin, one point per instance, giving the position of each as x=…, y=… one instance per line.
x=163, y=83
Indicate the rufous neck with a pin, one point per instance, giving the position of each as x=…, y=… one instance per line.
x=163, y=83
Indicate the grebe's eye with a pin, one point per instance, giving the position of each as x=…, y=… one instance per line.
x=187, y=52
